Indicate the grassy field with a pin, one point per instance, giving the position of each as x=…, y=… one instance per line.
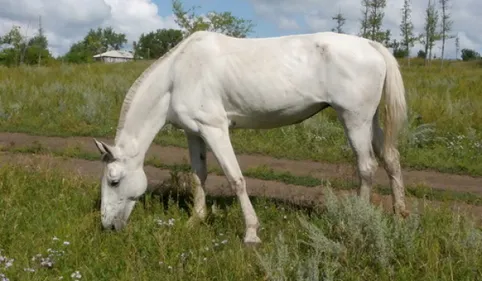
x=49, y=228
x=444, y=132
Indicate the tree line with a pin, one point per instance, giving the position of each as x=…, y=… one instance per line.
x=16, y=49
x=437, y=27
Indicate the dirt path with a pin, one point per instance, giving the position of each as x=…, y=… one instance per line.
x=175, y=155
x=217, y=185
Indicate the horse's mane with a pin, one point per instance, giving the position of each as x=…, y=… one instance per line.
x=133, y=89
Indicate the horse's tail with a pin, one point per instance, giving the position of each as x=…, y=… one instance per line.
x=395, y=103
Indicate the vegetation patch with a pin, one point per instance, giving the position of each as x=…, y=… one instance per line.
x=85, y=100
x=50, y=228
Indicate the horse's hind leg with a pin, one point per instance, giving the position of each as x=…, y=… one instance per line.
x=197, y=155
x=358, y=127
x=391, y=164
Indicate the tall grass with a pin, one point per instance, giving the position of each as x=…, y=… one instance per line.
x=49, y=228
x=444, y=132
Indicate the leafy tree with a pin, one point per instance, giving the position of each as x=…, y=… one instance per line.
x=406, y=29
x=446, y=25
x=13, y=45
x=37, y=48
x=468, y=54
x=340, y=21
x=430, y=34
x=95, y=42
x=364, y=21
x=156, y=43
x=371, y=24
x=422, y=54
x=399, y=50
x=223, y=22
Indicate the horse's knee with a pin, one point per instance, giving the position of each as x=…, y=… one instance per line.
x=238, y=185
x=367, y=168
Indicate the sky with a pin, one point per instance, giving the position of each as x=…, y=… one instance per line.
x=67, y=21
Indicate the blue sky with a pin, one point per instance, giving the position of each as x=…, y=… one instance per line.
x=239, y=8
x=67, y=21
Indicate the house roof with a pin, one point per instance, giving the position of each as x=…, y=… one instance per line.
x=115, y=54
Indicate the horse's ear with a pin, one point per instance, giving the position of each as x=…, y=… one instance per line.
x=105, y=150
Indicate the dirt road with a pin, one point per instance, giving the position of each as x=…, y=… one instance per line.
x=176, y=155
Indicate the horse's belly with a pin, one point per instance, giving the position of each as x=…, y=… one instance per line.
x=274, y=118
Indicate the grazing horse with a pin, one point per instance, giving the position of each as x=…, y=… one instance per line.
x=211, y=82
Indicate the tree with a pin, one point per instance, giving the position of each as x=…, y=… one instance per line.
x=223, y=22
x=372, y=21
x=340, y=21
x=406, y=29
x=364, y=21
x=399, y=51
x=156, y=43
x=421, y=54
x=446, y=25
x=14, y=44
x=468, y=54
x=457, y=47
x=95, y=42
x=430, y=34
x=37, y=48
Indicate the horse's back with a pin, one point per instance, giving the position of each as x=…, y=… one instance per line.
x=271, y=82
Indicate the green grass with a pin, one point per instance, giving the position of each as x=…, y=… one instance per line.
x=345, y=240
x=444, y=132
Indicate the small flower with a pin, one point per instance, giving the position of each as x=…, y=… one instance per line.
x=29, y=269
x=9, y=263
x=224, y=241
x=66, y=243
x=46, y=262
x=3, y=277
x=55, y=238
x=170, y=267
x=76, y=275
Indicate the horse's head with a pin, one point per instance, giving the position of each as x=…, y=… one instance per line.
x=123, y=182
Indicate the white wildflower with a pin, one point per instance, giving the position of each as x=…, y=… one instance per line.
x=29, y=269
x=9, y=263
x=76, y=275
x=3, y=277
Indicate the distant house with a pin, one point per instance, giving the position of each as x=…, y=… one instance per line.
x=114, y=56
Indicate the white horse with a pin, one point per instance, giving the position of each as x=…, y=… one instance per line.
x=211, y=82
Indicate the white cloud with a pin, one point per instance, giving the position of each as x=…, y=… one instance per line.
x=67, y=21
x=316, y=16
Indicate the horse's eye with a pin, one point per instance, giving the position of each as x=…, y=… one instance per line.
x=114, y=183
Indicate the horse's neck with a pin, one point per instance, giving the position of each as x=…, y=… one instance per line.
x=146, y=114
